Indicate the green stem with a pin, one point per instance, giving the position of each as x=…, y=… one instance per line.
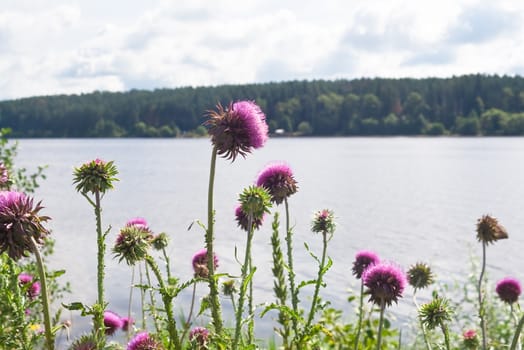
x=251, y=308
x=188, y=321
x=166, y=259
x=213, y=282
x=291, y=271
x=516, y=337
x=50, y=342
x=446, y=335
x=318, y=283
x=360, y=314
x=516, y=321
x=19, y=306
x=98, y=316
x=422, y=327
x=152, y=302
x=128, y=333
x=174, y=340
x=380, y=323
x=244, y=275
x=481, y=301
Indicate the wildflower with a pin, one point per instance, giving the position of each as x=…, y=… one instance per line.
x=200, y=263
x=323, y=222
x=4, y=176
x=127, y=322
x=228, y=288
x=255, y=201
x=95, y=176
x=364, y=259
x=470, y=339
x=33, y=289
x=143, y=341
x=489, y=230
x=278, y=179
x=132, y=244
x=85, y=342
x=508, y=290
x=200, y=336
x=112, y=322
x=385, y=283
x=243, y=220
x=19, y=223
x=160, y=241
x=138, y=222
x=237, y=129
x=420, y=276
x=435, y=313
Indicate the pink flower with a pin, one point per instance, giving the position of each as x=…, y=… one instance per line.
x=112, y=322
x=143, y=341
x=364, y=259
x=200, y=335
x=385, y=283
x=199, y=262
x=278, y=179
x=508, y=290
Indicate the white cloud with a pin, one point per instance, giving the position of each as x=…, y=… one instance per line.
x=63, y=48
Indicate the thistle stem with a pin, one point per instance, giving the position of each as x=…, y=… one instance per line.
x=174, y=340
x=291, y=271
x=99, y=312
x=446, y=335
x=516, y=337
x=50, y=342
x=422, y=327
x=213, y=283
x=243, y=286
x=380, y=323
x=128, y=333
x=360, y=314
x=188, y=321
x=481, y=299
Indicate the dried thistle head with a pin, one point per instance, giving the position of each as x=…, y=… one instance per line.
x=489, y=230
x=420, y=276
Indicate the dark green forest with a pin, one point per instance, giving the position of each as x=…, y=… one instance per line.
x=461, y=105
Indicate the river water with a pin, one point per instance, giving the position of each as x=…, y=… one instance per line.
x=408, y=199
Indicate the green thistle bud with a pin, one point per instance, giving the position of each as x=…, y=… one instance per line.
x=489, y=230
x=420, y=276
x=435, y=313
x=255, y=201
x=324, y=222
x=95, y=176
x=229, y=288
x=132, y=244
x=160, y=241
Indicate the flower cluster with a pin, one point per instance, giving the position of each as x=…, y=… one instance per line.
x=200, y=263
x=237, y=129
x=385, y=283
x=278, y=179
x=95, y=176
x=364, y=259
x=20, y=222
x=489, y=230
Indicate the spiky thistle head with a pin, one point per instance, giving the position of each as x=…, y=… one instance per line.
x=255, y=201
x=489, y=230
x=508, y=289
x=435, y=313
x=278, y=179
x=470, y=339
x=160, y=241
x=364, y=259
x=229, y=288
x=85, y=342
x=200, y=261
x=243, y=220
x=385, y=283
x=237, y=129
x=324, y=222
x=95, y=176
x=199, y=336
x=132, y=244
x=144, y=341
x=20, y=221
x=420, y=276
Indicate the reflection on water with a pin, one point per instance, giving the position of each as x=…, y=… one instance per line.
x=408, y=199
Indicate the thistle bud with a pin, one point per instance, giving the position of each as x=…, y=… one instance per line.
x=95, y=176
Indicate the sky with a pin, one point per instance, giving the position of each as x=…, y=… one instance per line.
x=50, y=47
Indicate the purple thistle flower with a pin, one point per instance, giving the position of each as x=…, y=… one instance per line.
x=19, y=223
x=112, y=322
x=385, y=283
x=508, y=290
x=199, y=262
x=278, y=179
x=364, y=259
x=237, y=129
x=138, y=222
x=127, y=322
x=243, y=221
x=143, y=341
x=199, y=335
x=34, y=287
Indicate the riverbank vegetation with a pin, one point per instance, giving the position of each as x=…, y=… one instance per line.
x=475, y=314
x=461, y=105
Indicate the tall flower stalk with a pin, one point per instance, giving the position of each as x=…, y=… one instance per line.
x=420, y=276
x=95, y=178
x=508, y=289
x=254, y=203
x=488, y=231
x=437, y=313
x=21, y=233
x=234, y=131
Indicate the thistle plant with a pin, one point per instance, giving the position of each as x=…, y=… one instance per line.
x=21, y=234
x=420, y=276
x=508, y=290
x=488, y=231
x=385, y=284
x=144, y=341
x=235, y=130
x=437, y=313
x=254, y=203
x=93, y=179
x=363, y=260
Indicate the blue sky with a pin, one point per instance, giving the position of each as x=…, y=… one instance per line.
x=70, y=47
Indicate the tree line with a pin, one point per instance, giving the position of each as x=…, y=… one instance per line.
x=460, y=105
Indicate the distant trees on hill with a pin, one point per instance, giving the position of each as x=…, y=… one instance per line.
x=464, y=105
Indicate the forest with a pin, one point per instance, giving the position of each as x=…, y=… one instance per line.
x=471, y=105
